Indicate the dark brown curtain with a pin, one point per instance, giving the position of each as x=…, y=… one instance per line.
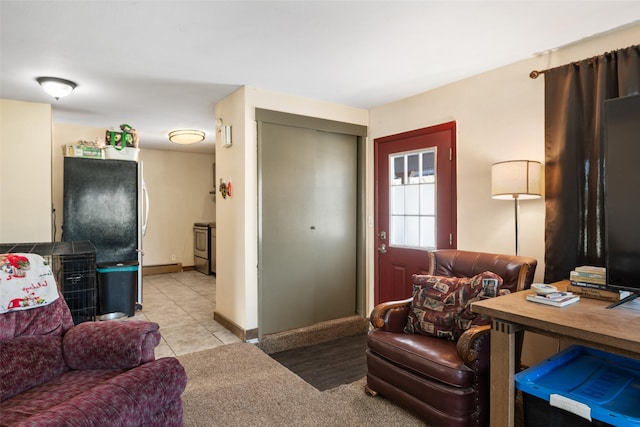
x=574, y=134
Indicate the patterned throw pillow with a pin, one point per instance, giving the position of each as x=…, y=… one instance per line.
x=441, y=306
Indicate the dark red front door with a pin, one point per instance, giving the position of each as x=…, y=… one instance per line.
x=415, y=204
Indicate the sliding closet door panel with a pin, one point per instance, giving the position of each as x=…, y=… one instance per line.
x=287, y=285
x=334, y=240
x=308, y=227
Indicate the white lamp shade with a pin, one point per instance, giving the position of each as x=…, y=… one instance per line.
x=516, y=179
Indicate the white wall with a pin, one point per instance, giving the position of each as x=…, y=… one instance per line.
x=237, y=238
x=179, y=186
x=500, y=116
x=25, y=172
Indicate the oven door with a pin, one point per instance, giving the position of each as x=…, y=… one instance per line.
x=201, y=242
x=201, y=249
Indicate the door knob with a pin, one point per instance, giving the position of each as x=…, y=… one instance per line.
x=382, y=248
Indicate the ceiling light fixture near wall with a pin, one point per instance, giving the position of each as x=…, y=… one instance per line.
x=56, y=87
x=186, y=136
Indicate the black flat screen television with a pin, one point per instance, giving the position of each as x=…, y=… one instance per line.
x=622, y=194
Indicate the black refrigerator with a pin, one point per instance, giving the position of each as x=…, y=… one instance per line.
x=106, y=202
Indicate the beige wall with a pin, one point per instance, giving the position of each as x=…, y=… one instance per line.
x=178, y=184
x=500, y=116
x=237, y=239
x=25, y=172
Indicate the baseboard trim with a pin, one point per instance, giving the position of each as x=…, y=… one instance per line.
x=314, y=334
x=162, y=269
x=243, y=334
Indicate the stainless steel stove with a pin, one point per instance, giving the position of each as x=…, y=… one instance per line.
x=204, y=247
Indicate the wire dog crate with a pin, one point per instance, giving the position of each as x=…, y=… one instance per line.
x=74, y=267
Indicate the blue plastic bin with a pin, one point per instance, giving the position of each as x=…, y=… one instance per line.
x=581, y=386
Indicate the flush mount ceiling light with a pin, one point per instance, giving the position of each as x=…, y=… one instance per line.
x=186, y=136
x=58, y=88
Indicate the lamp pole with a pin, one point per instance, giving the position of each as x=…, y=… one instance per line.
x=517, y=214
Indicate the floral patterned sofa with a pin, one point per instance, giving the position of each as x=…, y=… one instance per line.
x=94, y=374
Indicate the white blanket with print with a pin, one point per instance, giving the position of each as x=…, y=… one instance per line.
x=26, y=281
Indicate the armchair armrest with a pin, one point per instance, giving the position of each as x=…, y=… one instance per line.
x=110, y=345
x=391, y=316
x=474, y=345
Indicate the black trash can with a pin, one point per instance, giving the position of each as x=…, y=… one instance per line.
x=117, y=287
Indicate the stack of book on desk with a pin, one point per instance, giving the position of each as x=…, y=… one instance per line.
x=591, y=282
x=558, y=299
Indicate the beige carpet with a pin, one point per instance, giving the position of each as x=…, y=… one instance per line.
x=239, y=385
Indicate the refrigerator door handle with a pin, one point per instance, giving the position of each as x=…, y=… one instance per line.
x=145, y=191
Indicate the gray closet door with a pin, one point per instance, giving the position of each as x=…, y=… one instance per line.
x=308, y=226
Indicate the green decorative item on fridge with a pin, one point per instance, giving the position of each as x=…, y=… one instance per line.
x=128, y=137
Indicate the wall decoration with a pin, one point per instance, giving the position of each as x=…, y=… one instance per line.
x=223, y=188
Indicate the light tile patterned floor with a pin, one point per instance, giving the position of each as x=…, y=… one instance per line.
x=183, y=304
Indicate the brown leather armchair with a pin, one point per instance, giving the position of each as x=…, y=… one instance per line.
x=444, y=382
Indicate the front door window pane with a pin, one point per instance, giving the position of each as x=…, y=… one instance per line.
x=412, y=231
x=428, y=232
x=397, y=174
x=427, y=198
x=397, y=234
x=413, y=199
x=397, y=200
x=413, y=168
x=412, y=203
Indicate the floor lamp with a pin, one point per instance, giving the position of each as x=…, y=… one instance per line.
x=516, y=180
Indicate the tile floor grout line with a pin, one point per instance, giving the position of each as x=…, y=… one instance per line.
x=159, y=290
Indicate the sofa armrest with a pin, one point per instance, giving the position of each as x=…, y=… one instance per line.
x=136, y=397
x=391, y=316
x=474, y=345
x=111, y=344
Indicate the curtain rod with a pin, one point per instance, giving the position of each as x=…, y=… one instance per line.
x=535, y=74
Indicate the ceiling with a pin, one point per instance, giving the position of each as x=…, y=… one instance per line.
x=163, y=65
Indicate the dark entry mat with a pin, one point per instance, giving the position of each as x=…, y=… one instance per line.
x=330, y=364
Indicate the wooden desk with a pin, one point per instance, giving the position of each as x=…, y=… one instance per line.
x=587, y=322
